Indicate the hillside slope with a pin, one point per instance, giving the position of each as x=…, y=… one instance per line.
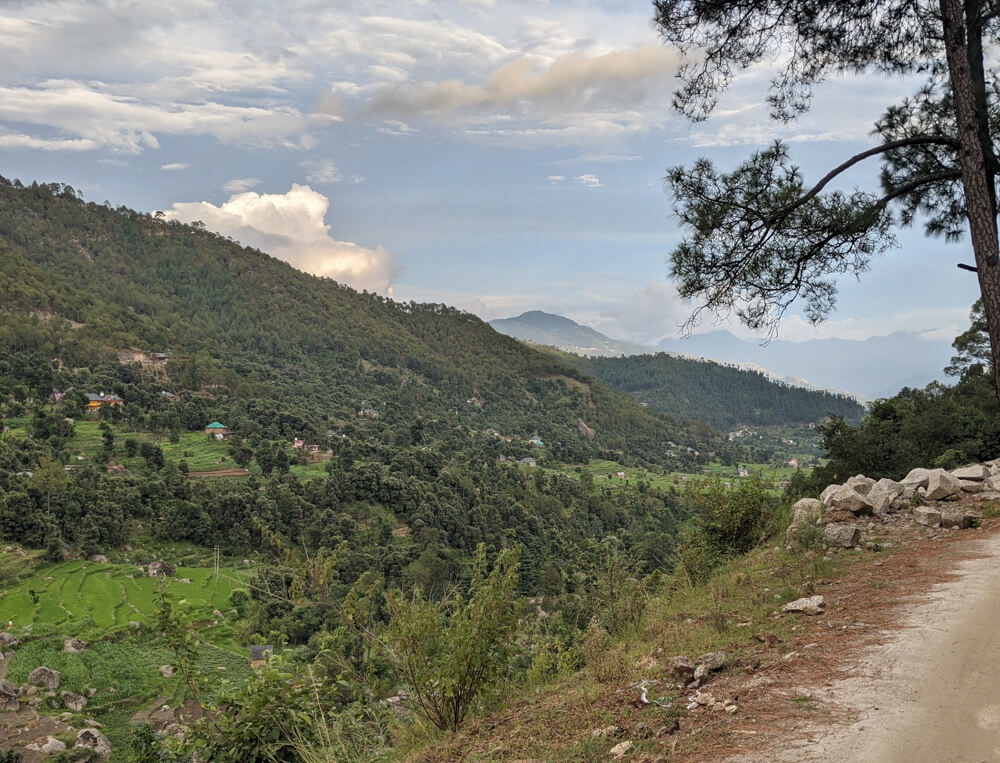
x=82, y=282
x=557, y=331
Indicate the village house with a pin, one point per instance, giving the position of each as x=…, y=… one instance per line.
x=298, y=443
x=100, y=400
x=260, y=654
x=794, y=463
x=527, y=461
x=536, y=441
x=217, y=430
x=161, y=358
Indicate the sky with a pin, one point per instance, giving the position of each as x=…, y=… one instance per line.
x=495, y=155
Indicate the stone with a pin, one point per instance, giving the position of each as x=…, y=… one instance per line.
x=620, y=750
x=700, y=673
x=806, y=511
x=941, y=485
x=9, y=702
x=885, y=495
x=861, y=484
x=842, y=534
x=93, y=724
x=681, y=669
x=74, y=701
x=828, y=492
x=713, y=660
x=838, y=515
x=672, y=727
x=810, y=605
x=642, y=731
x=75, y=645
x=916, y=478
x=99, y=559
x=974, y=472
x=993, y=483
x=971, y=486
x=160, y=569
x=850, y=499
x=954, y=519
x=606, y=732
x=166, y=671
x=52, y=746
x=928, y=517
x=46, y=677
x=7, y=639
x=92, y=739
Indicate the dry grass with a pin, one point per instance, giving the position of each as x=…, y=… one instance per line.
x=773, y=659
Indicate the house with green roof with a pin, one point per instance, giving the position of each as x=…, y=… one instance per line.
x=217, y=430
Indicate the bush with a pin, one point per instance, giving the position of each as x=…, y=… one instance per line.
x=448, y=652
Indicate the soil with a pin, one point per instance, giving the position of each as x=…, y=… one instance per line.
x=231, y=472
x=915, y=677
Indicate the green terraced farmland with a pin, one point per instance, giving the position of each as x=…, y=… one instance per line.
x=111, y=595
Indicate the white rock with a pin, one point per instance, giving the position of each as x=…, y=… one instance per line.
x=927, y=516
x=828, y=492
x=810, y=605
x=916, y=478
x=861, y=484
x=620, y=750
x=976, y=472
x=850, y=499
x=842, y=534
x=941, y=484
x=52, y=746
x=972, y=486
x=92, y=739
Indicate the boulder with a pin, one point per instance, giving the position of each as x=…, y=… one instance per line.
x=46, y=677
x=993, y=483
x=806, y=511
x=74, y=701
x=9, y=701
x=811, y=605
x=166, y=671
x=828, y=492
x=92, y=739
x=75, y=645
x=941, y=485
x=52, y=746
x=160, y=569
x=99, y=559
x=928, y=517
x=7, y=639
x=861, y=484
x=886, y=495
x=837, y=515
x=850, y=499
x=842, y=534
x=713, y=660
x=971, y=486
x=681, y=669
x=916, y=478
x=975, y=472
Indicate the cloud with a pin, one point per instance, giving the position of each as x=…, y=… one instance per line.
x=591, y=181
x=575, y=80
x=175, y=166
x=292, y=227
x=239, y=185
x=93, y=115
x=17, y=140
x=556, y=178
x=321, y=171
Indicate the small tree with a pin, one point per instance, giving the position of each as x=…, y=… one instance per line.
x=448, y=652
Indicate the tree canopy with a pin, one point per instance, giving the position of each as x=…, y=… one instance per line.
x=760, y=237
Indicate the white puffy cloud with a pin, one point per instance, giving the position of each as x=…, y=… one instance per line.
x=591, y=181
x=292, y=227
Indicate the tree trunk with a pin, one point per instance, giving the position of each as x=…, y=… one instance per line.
x=977, y=177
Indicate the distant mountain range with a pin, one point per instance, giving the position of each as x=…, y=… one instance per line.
x=873, y=368
x=557, y=331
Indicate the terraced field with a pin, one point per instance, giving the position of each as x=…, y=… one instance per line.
x=102, y=603
x=112, y=595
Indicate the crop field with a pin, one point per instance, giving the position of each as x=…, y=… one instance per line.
x=96, y=603
x=109, y=596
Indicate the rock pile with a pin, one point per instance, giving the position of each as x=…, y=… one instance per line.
x=924, y=496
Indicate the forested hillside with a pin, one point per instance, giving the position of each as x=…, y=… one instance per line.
x=722, y=396
x=279, y=351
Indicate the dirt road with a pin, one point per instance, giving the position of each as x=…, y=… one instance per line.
x=932, y=691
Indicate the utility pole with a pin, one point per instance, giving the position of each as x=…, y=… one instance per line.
x=216, y=560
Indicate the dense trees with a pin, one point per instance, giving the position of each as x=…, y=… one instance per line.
x=759, y=237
